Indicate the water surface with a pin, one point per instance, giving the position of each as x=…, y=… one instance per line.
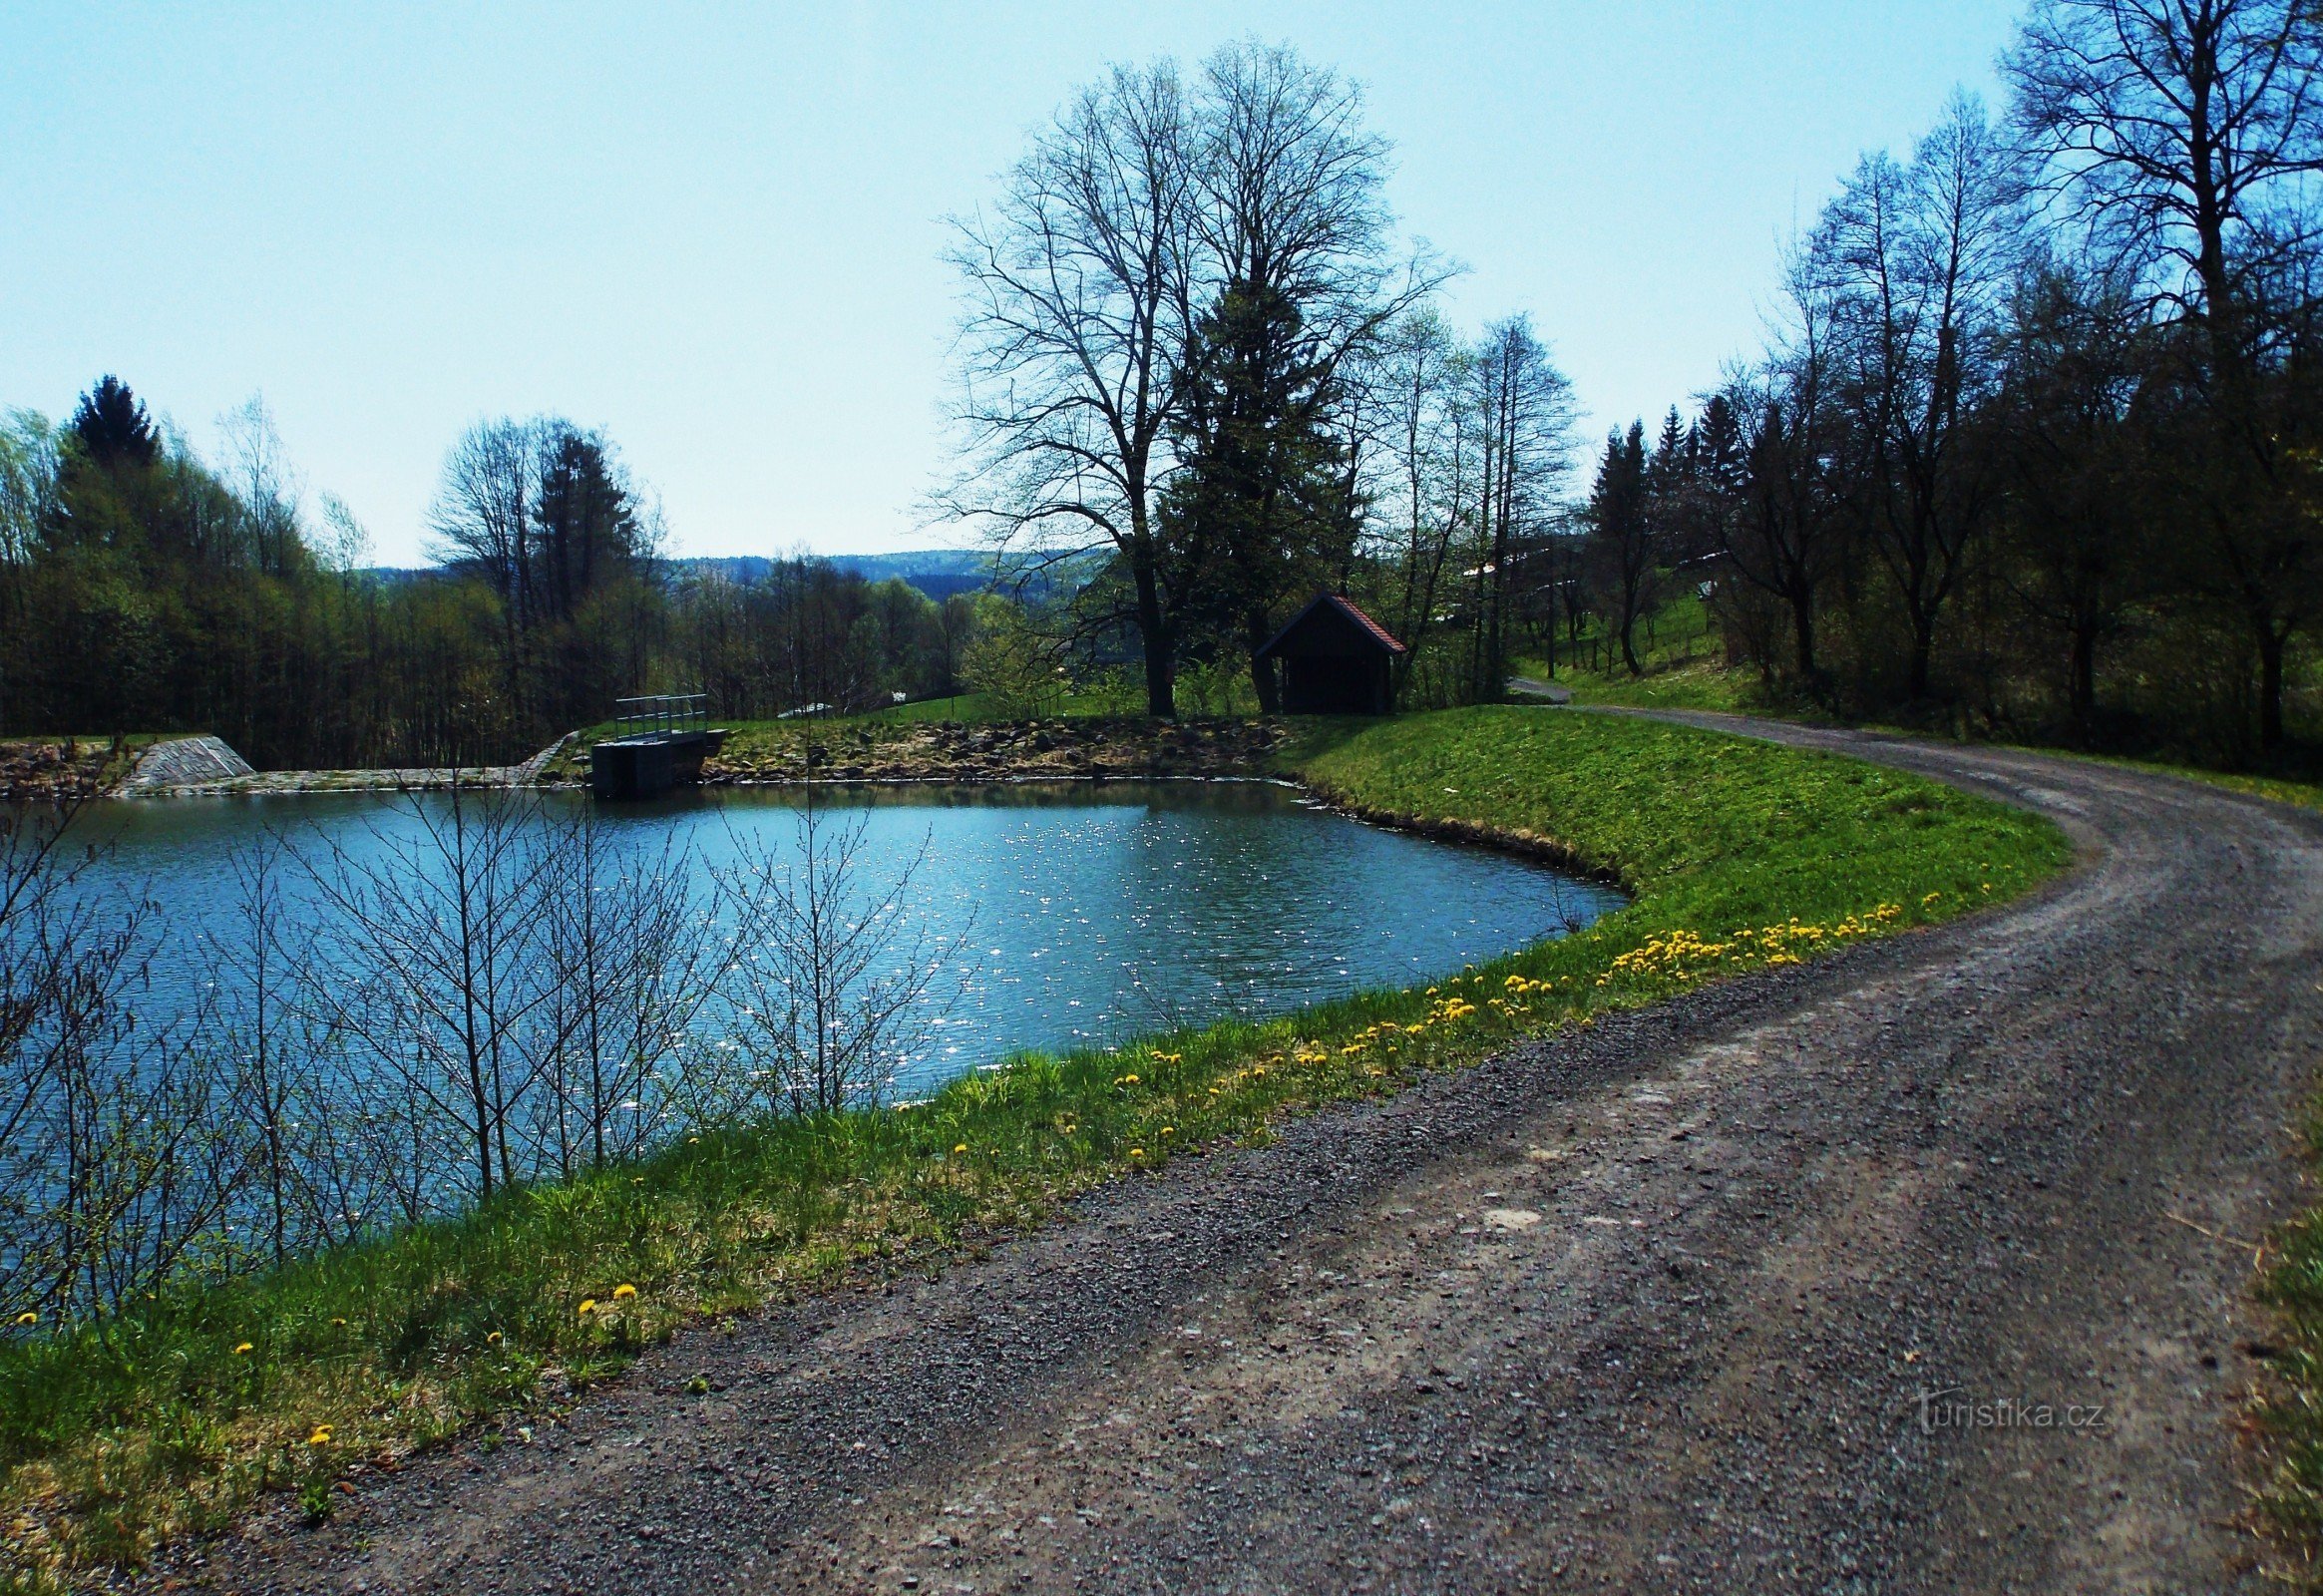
x=1091, y=913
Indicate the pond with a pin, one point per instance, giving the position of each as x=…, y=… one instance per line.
x=1079, y=912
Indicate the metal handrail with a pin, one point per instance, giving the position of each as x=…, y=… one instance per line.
x=661, y=714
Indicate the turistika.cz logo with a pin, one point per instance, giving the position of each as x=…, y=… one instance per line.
x=1951, y=1409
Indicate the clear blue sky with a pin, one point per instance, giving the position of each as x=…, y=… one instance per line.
x=714, y=230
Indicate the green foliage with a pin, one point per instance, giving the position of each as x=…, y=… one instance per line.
x=143, y=586
x=171, y=1418
x=2290, y=1405
x=1014, y=667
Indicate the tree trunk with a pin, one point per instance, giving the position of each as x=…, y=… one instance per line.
x=1923, y=647
x=2085, y=676
x=1161, y=696
x=1256, y=630
x=2270, y=686
x=1803, y=624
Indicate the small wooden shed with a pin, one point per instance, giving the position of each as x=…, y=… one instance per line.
x=1336, y=660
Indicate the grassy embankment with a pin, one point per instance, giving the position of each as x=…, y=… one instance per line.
x=1679, y=651
x=1739, y=854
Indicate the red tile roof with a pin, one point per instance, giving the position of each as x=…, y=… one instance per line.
x=1367, y=623
x=1372, y=628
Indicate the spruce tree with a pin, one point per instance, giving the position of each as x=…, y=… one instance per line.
x=113, y=427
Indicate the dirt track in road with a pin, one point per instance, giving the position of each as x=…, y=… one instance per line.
x=1652, y=1306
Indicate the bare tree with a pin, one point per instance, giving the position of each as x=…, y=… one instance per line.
x=110, y=1178
x=1525, y=409
x=835, y=976
x=633, y=958
x=1081, y=299
x=430, y=970
x=482, y=519
x=1420, y=387
x=2077, y=557
x=266, y=485
x=1917, y=261
x=1782, y=536
x=1299, y=286
x=2186, y=136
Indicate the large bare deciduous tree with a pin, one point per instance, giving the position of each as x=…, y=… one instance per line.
x=1918, y=261
x=1169, y=290
x=1079, y=301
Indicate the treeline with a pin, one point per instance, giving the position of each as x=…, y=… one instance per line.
x=143, y=589
x=2034, y=446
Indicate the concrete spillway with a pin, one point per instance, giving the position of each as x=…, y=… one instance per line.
x=185, y=762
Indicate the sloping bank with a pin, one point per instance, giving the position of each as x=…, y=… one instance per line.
x=1738, y=855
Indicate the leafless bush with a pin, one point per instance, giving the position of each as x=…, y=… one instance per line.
x=631, y=957
x=110, y=1178
x=428, y=968
x=833, y=974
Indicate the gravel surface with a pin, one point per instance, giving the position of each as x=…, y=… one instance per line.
x=1657, y=1306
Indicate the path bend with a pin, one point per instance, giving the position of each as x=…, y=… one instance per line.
x=1654, y=1308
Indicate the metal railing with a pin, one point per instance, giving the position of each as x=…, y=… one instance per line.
x=663, y=715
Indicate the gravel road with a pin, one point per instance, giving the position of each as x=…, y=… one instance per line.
x=1765, y=1288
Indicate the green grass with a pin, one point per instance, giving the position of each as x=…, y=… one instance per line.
x=1739, y=854
x=2282, y=790
x=2289, y=1409
x=1700, y=685
x=1681, y=654
x=959, y=708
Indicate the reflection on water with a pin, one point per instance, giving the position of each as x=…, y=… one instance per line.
x=1098, y=912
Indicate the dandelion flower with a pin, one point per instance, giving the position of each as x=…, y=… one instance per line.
x=961, y=1148
x=492, y=1339
x=587, y=1305
x=243, y=1348
x=624, y=1291
x=27, y=1320
x=1169, y=1129
x=1138, y=1152
x=321, y=1436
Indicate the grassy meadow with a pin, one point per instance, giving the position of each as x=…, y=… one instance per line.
x=172, y=1420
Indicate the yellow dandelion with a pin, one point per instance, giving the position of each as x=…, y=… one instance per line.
x=961, y=1148
x=1168, y=1130
x=321, y=1436
x=1138, y=1152
x=587, y=1305
x=245, y=1347
x=25, y=1321
x=492, y=1339
x=624, y=1291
